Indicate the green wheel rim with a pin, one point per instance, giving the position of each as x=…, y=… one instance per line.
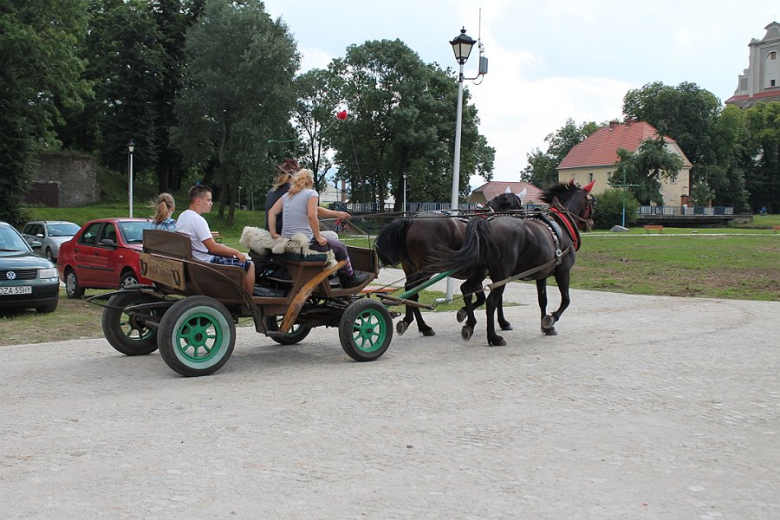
x=369, y=331
x=199, y=338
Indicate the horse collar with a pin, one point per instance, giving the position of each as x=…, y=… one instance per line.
x=571, y=229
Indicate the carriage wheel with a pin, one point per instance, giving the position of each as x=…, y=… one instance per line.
x=297, y=333
x=365, y=330
x=197, y=335
x=122, y=330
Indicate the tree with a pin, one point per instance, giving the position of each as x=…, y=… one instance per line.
x=126, y=64
x=687, y=113
x=542, y=166
x=727, y=176
x=701, y=194
x=402, y=122
x=763, y=146
x=645, y=168
x=239, y=92
x=172, y=18
x=711, y=137
x=39, y=72
x=610, y=208
x=315, y=113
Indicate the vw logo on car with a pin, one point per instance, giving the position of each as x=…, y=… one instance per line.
x=11, y=275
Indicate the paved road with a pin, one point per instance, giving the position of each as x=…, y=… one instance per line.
x=642, y=407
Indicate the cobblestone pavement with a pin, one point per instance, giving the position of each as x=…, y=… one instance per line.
x=641, y=407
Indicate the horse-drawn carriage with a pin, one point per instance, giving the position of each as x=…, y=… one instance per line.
x=190, y=312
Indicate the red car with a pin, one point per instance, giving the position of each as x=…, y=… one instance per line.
x=103, y=255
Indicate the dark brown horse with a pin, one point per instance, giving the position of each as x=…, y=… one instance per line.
x=534, y=248
x=412, y=242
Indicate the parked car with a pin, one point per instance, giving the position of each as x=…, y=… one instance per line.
x=27, y=280
x=49, y=234
x=103, y=255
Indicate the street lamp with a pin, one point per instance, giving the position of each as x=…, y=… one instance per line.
x=404, y=208
x=239, y=197
x=461, y=46
x=130, y=148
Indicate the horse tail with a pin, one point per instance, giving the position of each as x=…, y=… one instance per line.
x=390, y=243
x=477, y=248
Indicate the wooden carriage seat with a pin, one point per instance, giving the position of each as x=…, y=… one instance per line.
x=223, y=282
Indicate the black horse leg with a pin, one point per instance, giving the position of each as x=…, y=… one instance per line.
x=463, y=312
x=562, y=279
x=547, y=321
x=505, y=325
x=414, y=312
x=467, y=288
x=493, y=299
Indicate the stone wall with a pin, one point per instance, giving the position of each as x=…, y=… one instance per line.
x=75, y=174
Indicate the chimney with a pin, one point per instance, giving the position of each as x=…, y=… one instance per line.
x=613, y=124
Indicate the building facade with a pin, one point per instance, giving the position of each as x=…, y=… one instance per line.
x=595, y=158
x=761, y=80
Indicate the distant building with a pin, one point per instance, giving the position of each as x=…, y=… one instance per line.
x=64, y=180
x=493, y=189
x=594, y=159
x=761, y=80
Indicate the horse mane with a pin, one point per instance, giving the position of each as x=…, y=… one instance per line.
x=561, y=190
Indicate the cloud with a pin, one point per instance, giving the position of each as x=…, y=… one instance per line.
x=314, y=58
x=517, y=113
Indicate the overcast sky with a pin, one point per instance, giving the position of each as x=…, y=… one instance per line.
x=549, y=60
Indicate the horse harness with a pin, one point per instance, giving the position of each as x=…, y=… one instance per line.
x=558, y=214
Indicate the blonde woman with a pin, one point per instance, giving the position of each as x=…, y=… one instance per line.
x=282, y=184
x=164, y=207
x=298, y=208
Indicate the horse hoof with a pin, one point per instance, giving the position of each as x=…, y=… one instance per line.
x=548, y=322
x=428, y=333
x=550, y=332
x=497, y=342
x=506, y=326
x=460, y=315
x=401, y=327
x=466, y=332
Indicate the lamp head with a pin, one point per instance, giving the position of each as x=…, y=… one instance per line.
x=461, y=46
x=131, y=146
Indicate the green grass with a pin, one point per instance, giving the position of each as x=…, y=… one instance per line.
x=714, y=266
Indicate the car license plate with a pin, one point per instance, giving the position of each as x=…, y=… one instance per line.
x=21, y=289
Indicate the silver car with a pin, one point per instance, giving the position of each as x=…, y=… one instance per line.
x=49, y=234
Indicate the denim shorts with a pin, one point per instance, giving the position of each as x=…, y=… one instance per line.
x=231, y=260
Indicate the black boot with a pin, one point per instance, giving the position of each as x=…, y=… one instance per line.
x=353, y=280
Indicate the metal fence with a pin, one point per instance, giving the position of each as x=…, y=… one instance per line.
x=685, y=210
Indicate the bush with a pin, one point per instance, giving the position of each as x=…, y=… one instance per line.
x=609, y=210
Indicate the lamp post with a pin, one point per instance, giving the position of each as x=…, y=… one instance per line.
x=461, y=46
x=404, y=207
x=239, y=197
x=130, y=148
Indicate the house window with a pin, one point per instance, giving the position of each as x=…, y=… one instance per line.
x=772, y=83
x=590, y=177
x=772, y=55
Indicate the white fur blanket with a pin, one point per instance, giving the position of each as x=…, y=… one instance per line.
x=260, y=240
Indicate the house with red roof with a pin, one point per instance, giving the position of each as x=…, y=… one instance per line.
x=595, y=158
x=493, y=189
x=761, y=80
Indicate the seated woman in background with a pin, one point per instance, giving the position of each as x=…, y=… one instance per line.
x=298, y=208
x=282, y=184
x=164, y=208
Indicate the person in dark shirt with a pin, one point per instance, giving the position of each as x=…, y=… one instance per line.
x=282, y=185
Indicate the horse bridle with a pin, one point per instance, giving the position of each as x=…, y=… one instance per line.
x=586, y=221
